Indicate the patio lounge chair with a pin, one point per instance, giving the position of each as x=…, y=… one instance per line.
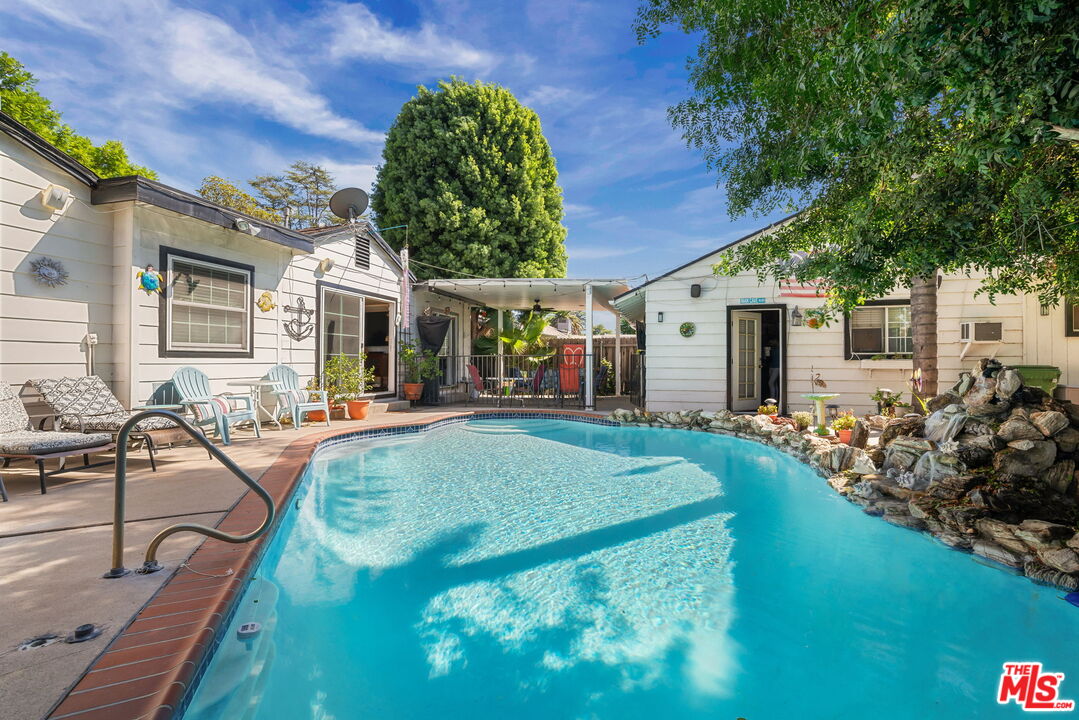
x=292, y=400
x=86, y=404
x=220, y=411
x=481, y=387
x=19, y=442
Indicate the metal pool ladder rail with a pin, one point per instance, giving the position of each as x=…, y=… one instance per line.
x=150, y=563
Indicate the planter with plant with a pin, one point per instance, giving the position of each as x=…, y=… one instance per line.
x=770, y=410
x=887, y=401
x=345, y=379
x=802, y=419
x=418, y=366
x=844, y=425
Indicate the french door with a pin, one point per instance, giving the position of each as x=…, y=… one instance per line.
x=745, y=361
x=353, y=324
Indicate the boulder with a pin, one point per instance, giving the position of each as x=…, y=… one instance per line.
x=990, y=443
x=1050, y=422
x=1008, y=383
x=898, y=427
x=1060, y=476
x=921, y=507
x=1002, y=534
x=995, y=552
x=905, y=520
x=1023, y=445
x=974, y=456
x=1067, y=440
x=1072, y=411
x=961, y=518
x=963, y=385
x=859, y=435
x=904, y=451
x=951, y=487
x=842, y=484
x=981, y=400
x=1039, y=534
x=941, y=401
x=1018, y=428
x=1030, y=462
x=1065, y=559
x=1045, y=574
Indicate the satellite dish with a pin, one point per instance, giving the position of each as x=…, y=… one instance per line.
x=348, y=203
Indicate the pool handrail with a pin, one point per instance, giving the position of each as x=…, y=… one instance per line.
x=150, y=563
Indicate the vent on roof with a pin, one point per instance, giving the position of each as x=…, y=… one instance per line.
x=363, y=251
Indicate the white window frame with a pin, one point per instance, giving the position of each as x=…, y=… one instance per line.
x=208, y=349
x=886, y=338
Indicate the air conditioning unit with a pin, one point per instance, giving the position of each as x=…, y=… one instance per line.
x=975, y=332
x=972, y=333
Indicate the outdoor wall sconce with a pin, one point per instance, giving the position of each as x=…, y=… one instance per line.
x=55, y=198
x=1044, y=309
x=245, y=227
x=695, y=290
x=796, y=317
x=659, y=317
x=325, y=265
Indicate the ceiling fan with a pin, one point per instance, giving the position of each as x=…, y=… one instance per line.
x=537, y=308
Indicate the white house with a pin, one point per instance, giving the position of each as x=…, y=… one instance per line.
x=239, y=294
x=717, y=342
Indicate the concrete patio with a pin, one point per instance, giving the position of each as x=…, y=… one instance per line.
x=55, y=548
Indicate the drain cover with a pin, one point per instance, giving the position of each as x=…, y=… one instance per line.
x=39, y=642
x=83, y=633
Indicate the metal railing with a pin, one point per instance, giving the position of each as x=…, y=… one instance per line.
x=150, y=563
x=553, y=380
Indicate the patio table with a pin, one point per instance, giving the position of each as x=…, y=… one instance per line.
x=254, y=390
x=506, y=384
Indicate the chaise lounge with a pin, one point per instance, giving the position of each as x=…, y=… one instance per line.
x=18, y=441
x=86, y=404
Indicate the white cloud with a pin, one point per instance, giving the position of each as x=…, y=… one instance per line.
x=579, y=210
x=177, y=56
x=357, y=33
x=705, y=199
x=554, y=95
x=345, y=174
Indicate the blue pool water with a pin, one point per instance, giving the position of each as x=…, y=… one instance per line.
x=550, y=569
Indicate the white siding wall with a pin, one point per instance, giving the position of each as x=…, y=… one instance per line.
x=288, y=276
x=692, y=372
x=42, y=328
x=1046, y=344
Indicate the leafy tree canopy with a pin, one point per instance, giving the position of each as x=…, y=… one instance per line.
x=20, y=100
x=224, y=192
x=467, y=168
x=918, y=134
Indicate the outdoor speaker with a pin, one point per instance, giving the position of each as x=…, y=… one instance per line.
x=695, y=290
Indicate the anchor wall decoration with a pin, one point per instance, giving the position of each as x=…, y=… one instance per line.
x=299, y=327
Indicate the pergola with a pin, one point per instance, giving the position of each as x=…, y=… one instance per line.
x=555, y=293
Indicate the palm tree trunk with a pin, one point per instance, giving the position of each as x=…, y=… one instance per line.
x=923, y=319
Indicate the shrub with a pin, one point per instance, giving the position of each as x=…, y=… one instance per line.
x=846, y=421
x=767, y=410
x=802, y=419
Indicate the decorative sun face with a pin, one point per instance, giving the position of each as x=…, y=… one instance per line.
x=49, y=272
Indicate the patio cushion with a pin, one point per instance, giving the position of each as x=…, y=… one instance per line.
x=90, y=398
x=43, y=442
x=12, y=413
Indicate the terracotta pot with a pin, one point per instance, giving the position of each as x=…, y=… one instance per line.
x=413, y=390
x=844, y=436
x=774, y=418
x=316, y=416
x=357, y=409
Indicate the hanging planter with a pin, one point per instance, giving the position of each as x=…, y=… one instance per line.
x=816, y=318
x=687, y=329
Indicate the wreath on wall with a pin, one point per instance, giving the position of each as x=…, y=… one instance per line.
x=687, y=329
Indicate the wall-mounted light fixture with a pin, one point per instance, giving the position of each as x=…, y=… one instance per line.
x=659, y=317
x=796, y=317
x=325, y=265
x=695, y=290
x=246, y=226
x=54, y=197
x=1044, y=309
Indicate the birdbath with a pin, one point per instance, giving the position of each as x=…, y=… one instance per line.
x=818, y=402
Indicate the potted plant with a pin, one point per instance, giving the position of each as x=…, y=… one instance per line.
x=802, y=420
x=418, y=366
x=345, y=379
x=844, y=426
x=886, y=401
x=770, y=410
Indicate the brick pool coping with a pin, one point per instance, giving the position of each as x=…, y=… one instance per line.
x=147, y=670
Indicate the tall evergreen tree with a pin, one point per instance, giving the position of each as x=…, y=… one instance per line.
x=467, y=168
x=312, y=187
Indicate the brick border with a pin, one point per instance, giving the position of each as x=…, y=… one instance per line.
x=147, y=670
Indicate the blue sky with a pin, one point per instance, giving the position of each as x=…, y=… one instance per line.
x=243, y=88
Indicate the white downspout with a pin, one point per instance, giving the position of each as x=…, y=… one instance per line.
x=501, y=359
x=589, y=379
x=617, y=355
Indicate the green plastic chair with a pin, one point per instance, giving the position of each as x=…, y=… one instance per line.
x=220, y=411
x=292, y=400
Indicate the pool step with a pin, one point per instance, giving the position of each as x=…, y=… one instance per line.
x=501, y=427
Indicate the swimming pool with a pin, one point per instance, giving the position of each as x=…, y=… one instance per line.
x=554, y=569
